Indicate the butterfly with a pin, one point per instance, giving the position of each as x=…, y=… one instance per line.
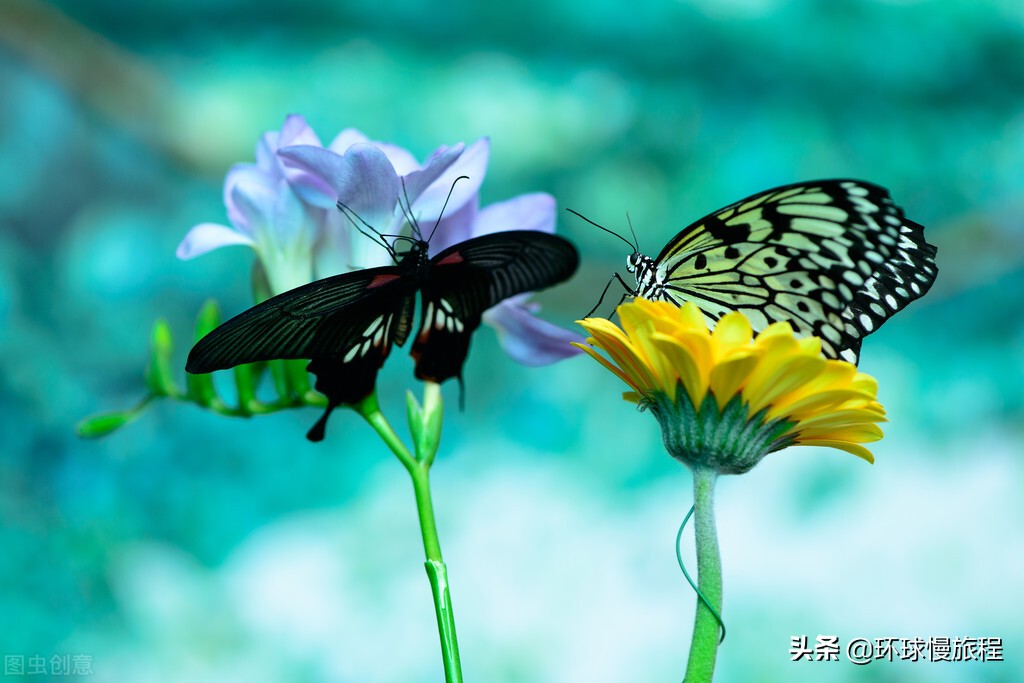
x=833, y=258
x=346, y=324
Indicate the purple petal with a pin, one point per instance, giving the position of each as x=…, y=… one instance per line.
x=534, y=211
x=403, y=160
x=266, y=150
x=454, y=227
x=333, y=252
x=244, y=176
x=255, y=204
x=362, y=178
x=207, y=237
x=290, y=220
x=472, y=162
x=528, y=339
x=311, y=171
x=346, y=139
x=417, y=182
x=296, y=131
x=369, y=185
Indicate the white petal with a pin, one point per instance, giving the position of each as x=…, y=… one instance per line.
x=207, y=237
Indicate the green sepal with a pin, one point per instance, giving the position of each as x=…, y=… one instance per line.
x=727, y=441
x=208, y=319
x=100, y=425
x=279, y=373
x=103, y=424
x=247, y=377
x=199, y=388
x=159, y=374
x=425, y=422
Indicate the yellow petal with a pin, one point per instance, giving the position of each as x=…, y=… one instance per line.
x=692, y=318
x=799, y=405
x=732, y=331
x=835, y=420
x=687, y=368
x=772, y=380
x=857, y=450
x=727, y=377
x=612, y=367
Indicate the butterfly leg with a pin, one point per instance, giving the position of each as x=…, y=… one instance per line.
x=629, y=292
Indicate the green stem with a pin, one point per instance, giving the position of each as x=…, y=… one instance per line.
x=418, y=467
x=437, y=574
x=704, y=649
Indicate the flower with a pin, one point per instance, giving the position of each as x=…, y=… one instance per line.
x=378, y=184
x=266, y=213
x=527, y=339
x=726, y=399
x=375, y=181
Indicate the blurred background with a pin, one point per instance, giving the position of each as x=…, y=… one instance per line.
x=192, y=547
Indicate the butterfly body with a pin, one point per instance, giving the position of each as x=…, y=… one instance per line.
x=346, y=324
x=834, y=258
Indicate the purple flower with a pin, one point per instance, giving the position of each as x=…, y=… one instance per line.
x=266, y=214
x=285, y=207
x=526, y=338
x=378, y=184
x=374, y=181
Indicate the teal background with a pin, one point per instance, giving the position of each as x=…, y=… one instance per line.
x=191, y=547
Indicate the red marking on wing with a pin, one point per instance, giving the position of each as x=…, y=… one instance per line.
x=381, y=280
x=452, y=258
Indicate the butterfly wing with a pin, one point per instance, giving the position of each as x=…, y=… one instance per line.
x=466, y=279
x=902, y=279
x=834, y=258
x=345, y=325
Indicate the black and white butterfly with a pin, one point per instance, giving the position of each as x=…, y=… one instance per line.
x=346, y=324
x=834, y=258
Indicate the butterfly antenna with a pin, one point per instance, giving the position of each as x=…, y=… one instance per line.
x=446, y=199
x=636, y=242
x=407, y=212
x=356, y=221
x=601, y=227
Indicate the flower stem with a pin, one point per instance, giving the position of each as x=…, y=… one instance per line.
x=418, y=466
x=437, y=574
x=704, y=649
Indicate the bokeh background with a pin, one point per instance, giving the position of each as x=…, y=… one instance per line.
x=191, y=547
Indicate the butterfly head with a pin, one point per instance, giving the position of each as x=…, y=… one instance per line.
x=415, y=252
x=635, y=261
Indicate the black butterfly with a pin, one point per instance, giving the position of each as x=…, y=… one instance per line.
x=346, y=324
x=834, y=258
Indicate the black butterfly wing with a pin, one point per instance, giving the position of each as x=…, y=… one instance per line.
x=466, y=279
x=907, y=275
x=834, y=258
x=345, y=325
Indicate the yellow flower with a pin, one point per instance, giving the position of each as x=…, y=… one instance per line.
x=726, y=398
